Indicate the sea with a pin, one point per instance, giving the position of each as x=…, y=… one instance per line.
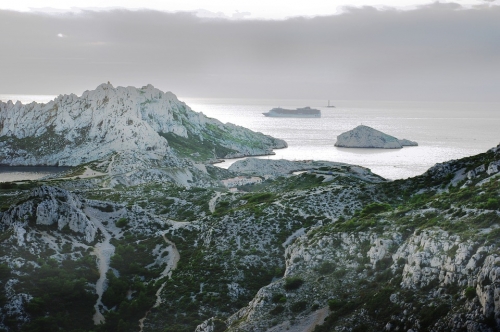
x=443, y=130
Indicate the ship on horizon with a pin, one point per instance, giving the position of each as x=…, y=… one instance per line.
x=304, y=112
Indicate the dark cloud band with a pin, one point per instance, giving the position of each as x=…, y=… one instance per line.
x=436, y=52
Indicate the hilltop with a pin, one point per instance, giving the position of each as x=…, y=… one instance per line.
x=72, y=130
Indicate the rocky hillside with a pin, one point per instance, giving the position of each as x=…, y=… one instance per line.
x=330, y=247
x=429, y=264
x=72, y=130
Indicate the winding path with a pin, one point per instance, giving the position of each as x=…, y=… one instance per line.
x=103, y=251
x=213, y=201
x=173, y=259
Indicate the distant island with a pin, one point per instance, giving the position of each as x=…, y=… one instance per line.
x=304, y=112
x=367, y=137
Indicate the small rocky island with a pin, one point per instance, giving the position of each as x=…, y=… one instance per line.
x=367, y=137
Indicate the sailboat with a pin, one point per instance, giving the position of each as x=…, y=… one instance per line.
x=330, y=105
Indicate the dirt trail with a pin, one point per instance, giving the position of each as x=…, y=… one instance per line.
x=304, y=324
x=213, y=200
x=173, y=259
x=110, y=164
x=103, y=251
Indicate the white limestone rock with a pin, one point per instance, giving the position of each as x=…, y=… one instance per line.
x=48, y=206
x=493, y=167
x=72, y=130
x=272, y=168
x=367, y=137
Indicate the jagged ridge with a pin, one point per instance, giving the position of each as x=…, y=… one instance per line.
x=72, y=130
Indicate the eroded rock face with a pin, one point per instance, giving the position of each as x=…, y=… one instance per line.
x=429, y=263
x=72, y=130
x=367, y=137
x=48, y=206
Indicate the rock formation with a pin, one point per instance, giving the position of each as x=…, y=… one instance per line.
x=72, y=130
x=367, y=137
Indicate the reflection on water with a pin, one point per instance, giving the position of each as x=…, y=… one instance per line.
x=444, y=131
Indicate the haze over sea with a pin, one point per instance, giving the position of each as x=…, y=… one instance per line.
x=444, y=131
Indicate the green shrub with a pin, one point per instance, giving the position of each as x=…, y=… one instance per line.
x=4, y=272
x=277, y=310
x=279, y=298
x=325, y=268
x=470, y=293
x=293, y=283
x=8, y=185
x=258, y=198
x=335, y=304
x=374, y=208
x=492, y=204
x=122, y=222
x=298, y=306
x=108, y=208
x=430, y=314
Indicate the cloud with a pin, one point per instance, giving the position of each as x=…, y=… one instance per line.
x=435, y=52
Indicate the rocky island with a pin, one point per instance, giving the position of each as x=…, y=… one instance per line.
x=367, y=137
x=147, y=237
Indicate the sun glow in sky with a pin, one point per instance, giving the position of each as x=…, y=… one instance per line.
x=357, y=50
x=248, y=9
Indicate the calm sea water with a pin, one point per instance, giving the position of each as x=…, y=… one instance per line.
x=444, y=131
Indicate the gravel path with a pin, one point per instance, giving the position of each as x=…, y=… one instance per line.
x=103, y=251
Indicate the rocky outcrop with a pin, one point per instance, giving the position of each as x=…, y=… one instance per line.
x=49, y=206
x=270, y=168
x=367, y=137
x=429, y=263
x=72, y=130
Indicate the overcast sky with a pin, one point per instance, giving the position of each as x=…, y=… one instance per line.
x=435, y=52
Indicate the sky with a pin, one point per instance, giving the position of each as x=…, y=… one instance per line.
x=337, y=50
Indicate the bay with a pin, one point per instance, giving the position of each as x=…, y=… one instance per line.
x=444, y=131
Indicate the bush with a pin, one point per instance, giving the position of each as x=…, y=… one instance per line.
x=279, y=298
x=492, y=204
x=430, y=314
x=470, y=293
x=293, y=283
x=7, y=185
x=4, y=272
x=299, y=306
x=326, y=268
x=335, y=304
x=258, y=198
x=108, y=208
x=277, y=310
x=374, y=208
x=122, y=222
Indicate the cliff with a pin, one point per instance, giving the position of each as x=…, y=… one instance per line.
x=72, y=130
